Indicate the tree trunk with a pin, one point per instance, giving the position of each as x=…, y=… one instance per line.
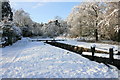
x=96, y=34
x=119, y=35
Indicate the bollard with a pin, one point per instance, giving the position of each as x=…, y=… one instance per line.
x=93, y=52
x=111, y=55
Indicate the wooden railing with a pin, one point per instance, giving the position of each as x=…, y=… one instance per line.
x=80, y=50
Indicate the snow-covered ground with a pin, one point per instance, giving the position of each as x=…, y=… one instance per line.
x=99, y=46
x=73, y=41
x=26, y=59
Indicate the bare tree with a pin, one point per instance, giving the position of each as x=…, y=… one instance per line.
x=95, y=18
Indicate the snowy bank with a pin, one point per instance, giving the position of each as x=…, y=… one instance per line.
x=26, y=59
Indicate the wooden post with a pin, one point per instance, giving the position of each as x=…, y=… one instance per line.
x=118, y=53
x=93, y=52
x=118, y=35
x=111, y=55
x=81, y=50
x=53, y=40
x=46, y=41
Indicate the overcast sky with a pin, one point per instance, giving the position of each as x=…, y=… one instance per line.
x=44, y=11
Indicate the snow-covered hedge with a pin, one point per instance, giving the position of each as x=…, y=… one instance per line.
x=9, y=33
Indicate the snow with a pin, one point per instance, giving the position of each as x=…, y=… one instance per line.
x=2, y=42
x=40, y=38
x=99, y=46
x=26, y=59
x=17, y=30
x=100, y=55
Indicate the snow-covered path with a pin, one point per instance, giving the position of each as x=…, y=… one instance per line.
x=27, y=59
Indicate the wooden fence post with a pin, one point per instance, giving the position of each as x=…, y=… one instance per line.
x=118, y=53
x=53, y=40
x=93, y=52
x=81, y=50
x=111, y=54
x=46, y=41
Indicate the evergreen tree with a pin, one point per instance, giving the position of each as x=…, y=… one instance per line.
x=0, y=10
x=6, y=11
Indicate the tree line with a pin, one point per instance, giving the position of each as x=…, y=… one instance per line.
x=95, y=19
x=89, y=19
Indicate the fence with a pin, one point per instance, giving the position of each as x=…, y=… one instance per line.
x=80, y=50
